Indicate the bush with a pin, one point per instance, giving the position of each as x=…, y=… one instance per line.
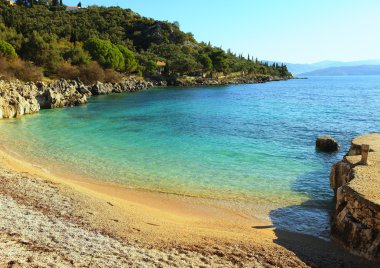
x=24, y=71
x=91, y=73
x=67, y=71
x=112, y=76
x=7, y=50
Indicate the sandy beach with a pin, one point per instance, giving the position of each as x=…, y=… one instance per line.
x=49, y=220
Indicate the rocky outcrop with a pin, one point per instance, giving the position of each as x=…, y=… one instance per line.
x=61, y=94
x=356, y=221
x=327, y=144
x=130, y=85
x=17, y=98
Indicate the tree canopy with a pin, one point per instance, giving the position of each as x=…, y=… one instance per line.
x=7, y=49
x=116, y=38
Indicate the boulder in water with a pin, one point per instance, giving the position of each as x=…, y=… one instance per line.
x=327, y=144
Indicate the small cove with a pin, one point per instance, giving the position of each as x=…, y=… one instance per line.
x=248, y=144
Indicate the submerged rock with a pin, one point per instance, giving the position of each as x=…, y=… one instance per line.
x=327, y=144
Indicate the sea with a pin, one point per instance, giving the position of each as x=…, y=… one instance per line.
x=252, y=144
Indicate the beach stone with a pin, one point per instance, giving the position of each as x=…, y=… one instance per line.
x=327, y=144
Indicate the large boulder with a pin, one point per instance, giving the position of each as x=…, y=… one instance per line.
x=327, y=144
x=17, y=99
x=62, y=93
x=100, y=88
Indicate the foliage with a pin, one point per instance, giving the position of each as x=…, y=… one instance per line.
x=130, y=62
x=117, y=39
x=91, y=73
x=76, y=55
x=7, y=50
x=16, y=68
x=105, y=53
x=112, y=76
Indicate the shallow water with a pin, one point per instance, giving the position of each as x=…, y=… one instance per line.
x=248, y=143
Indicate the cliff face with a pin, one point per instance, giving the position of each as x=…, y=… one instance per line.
x=356, y=221
x=17, y=98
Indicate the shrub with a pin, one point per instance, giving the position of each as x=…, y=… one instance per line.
x=112, y=76
x=24, y=70
x=67, y=71
x=91, y=73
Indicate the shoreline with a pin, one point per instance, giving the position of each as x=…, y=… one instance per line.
x=208, y=235
x=172, y=205
x=22, y=98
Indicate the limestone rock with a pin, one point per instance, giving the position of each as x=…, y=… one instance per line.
x=356, y=220
x=17, y=98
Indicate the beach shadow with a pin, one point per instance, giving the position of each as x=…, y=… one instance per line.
x=263, y=227
x=305, y=229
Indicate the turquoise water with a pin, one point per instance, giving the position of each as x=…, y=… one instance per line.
x=249, y=143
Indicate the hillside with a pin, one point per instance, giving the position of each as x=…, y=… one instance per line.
x=72, y=44
x=346, y=70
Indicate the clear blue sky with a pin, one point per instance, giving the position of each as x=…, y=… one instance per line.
x=298, y=31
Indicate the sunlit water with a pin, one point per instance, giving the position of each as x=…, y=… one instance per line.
x=248, y=143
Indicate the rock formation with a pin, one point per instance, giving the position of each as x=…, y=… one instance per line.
x=17, y=98
x=356, y=221
x=327, y=144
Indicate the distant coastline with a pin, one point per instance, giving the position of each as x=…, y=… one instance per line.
x=31, y=97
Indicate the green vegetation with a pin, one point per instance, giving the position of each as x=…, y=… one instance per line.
x=7, y=50
x=66, y=43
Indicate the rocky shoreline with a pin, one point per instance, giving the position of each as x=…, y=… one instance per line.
x=225, y=81
x=18, y=98
x=356, y=221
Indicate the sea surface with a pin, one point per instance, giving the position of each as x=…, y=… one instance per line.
x=253, y=144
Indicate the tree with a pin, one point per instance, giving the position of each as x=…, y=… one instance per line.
x=206, y=62
x=43, y=51
x=77, y=56
x=105, y=53
x=79, y=4
x=130, y=62
x=219, y=62
x=7, y=50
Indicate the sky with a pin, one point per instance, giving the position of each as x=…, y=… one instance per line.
x=296, y=31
